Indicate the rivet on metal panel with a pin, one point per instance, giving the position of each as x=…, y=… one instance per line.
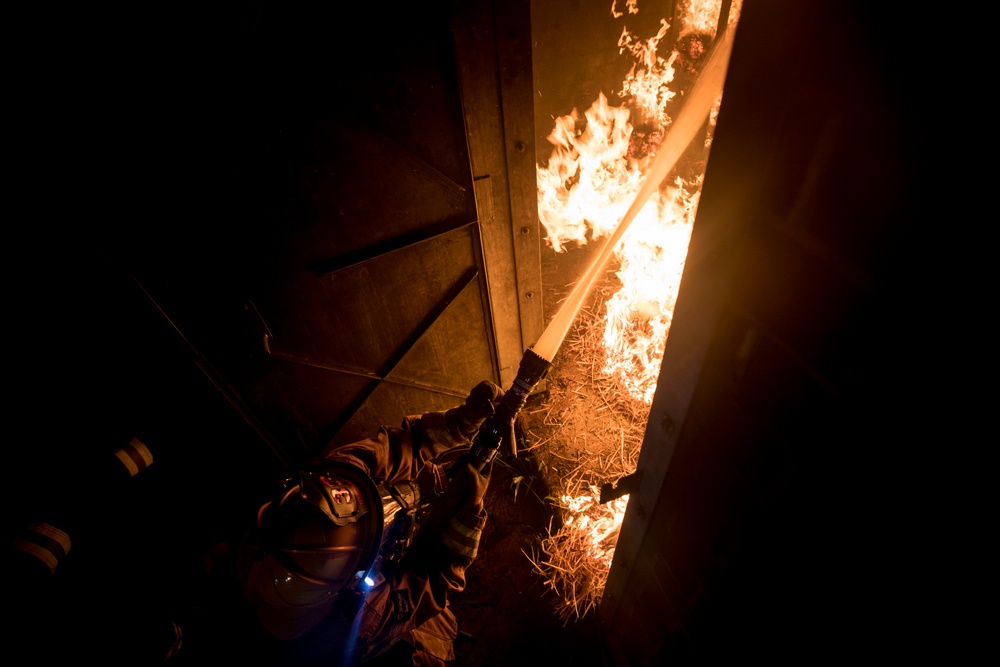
x=519, y=146
x=525, y=231
x=667, y=424
x=528, y=295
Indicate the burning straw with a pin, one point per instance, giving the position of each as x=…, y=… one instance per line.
x=597, y=429
x=598, y=424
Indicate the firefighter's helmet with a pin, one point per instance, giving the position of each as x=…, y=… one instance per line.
x=315, y=539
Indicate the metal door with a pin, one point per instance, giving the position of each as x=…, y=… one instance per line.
x=344, y=230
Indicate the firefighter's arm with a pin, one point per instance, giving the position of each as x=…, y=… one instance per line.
x=448, y=542
x=443, y=431
x=434, y=567
x=396, y=455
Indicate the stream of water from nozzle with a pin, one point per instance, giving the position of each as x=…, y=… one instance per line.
x=683, y=130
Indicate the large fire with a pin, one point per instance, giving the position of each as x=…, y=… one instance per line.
x=597, y=166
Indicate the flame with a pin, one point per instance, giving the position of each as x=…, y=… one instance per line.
x=588, y=180
x=578, y=558
x=600, y=523
x=595, y=170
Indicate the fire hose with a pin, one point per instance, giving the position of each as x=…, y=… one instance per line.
x=498, y=429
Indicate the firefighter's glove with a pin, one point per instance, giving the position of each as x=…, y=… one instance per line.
x=479, y=405
x=452, y=531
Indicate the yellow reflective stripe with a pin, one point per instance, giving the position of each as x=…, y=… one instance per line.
x=143, y=451
x=44, y=542
x=461, y=539
x=44, y=555
x=462, y=529
x=129, y=464
x=176, y=645
x=52, y=533
x=133, y=455
x=461, y=549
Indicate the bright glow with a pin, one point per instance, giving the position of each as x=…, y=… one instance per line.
x=601, y=522
x=586, y=190
x=598, y=165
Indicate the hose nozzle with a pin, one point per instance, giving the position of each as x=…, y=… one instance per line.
x=500, y=426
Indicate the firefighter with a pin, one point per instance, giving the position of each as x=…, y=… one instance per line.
x=357, y=558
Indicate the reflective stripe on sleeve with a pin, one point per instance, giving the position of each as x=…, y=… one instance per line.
x=462, y=539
